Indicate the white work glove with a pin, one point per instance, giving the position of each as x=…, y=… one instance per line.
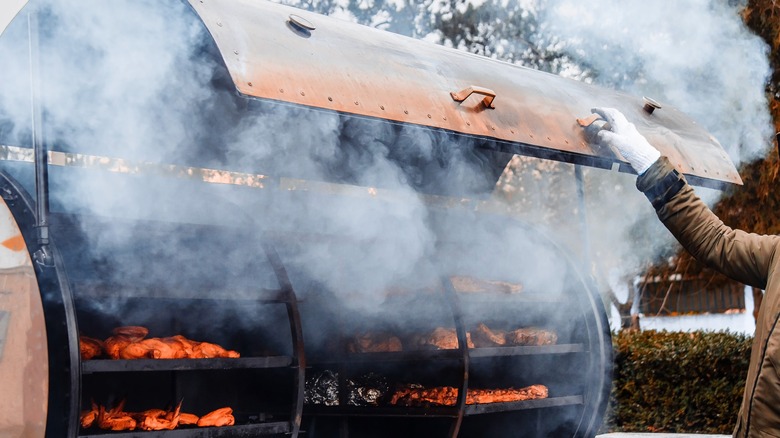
x=623, y=136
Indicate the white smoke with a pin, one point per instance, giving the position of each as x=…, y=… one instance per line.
x=697, y=55
x=133, y=79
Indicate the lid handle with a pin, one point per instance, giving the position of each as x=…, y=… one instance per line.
x=462, y=95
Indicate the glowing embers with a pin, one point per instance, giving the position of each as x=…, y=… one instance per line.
x=130, y=342
x=117, y=418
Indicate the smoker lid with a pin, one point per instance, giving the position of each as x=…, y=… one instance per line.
x=285, y=54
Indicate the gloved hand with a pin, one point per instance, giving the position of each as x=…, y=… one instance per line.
x=623, y=136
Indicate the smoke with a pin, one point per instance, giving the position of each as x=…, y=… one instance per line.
x=698, y=56
x=140, y=80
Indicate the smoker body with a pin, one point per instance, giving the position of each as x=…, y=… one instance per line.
x=262, y=317
x=334, y=329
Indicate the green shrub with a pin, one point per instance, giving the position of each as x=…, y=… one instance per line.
x=677, y=382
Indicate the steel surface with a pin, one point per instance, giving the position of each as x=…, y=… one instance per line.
x=353, y=69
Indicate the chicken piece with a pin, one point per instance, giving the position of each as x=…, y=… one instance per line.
x=115, y=344
x=161, y=350
x=88, y=417
x=115, y=419
x=136, y=350
x=219, y=417
x=132, y=332
x=181, y=345
x=188, y=419
x=205, y=350
x=90, y=347
x=159, y=419
x=485, y=337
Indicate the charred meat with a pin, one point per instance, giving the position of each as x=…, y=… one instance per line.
x=416, y=395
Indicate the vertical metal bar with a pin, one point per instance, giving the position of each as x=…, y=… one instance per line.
x=460, y=404
x=296, y=331
x=583, y=217
x=43, y=254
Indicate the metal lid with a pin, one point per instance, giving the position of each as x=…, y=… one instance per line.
x=364, y=71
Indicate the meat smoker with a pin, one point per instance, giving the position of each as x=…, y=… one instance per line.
x=356, y=289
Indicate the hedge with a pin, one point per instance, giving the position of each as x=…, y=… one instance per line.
x=677, y=382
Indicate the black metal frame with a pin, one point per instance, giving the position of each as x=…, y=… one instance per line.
x=59, y=315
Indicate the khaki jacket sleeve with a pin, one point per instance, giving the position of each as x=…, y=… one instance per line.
x=745, y=257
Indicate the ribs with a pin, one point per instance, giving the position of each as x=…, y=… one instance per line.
x=415, y=395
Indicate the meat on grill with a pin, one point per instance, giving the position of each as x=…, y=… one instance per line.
x=415, y=395
x=129, y=343
x=205, y=350
x=115, y=418
x=374, y=343
x=531, y=336
x=158, y=419
x=89, y=416
x=442, y=339
x=151, y=419
x=219, y=417
x=186, y=419
x=90, y=347
x=483, y=336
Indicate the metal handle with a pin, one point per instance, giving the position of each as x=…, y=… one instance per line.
x=466, y=92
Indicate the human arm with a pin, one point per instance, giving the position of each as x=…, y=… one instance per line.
x=742, y=256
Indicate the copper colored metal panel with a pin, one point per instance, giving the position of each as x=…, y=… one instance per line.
x=24, y=363
x=286, y=54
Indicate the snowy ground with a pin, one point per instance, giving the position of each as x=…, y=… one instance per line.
x=734, y=322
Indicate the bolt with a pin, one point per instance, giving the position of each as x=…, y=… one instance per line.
x=249, y=83
x=330, y=99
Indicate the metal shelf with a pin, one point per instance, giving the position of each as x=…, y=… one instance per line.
x=489, y=408
x=381, y=411
x=526, y=350
x=136, y=365
x=244, y=430
x=441, y=411
x=395, y=356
